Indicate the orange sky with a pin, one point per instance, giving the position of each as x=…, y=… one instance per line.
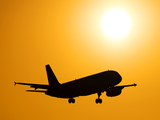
x=68, y=35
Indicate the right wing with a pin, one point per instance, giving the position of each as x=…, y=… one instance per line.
x=126, y=85
x=33, y=85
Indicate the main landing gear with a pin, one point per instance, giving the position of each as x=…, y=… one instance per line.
x=99, y=100
x=71, y=100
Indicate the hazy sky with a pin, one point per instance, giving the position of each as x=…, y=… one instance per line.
x=68, y=35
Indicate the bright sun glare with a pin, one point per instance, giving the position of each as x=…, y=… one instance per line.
x=116, y=23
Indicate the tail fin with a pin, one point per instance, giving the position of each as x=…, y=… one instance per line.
x=52, y=80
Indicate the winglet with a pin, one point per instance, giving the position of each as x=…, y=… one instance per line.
x=135, y=84
x=15, y=83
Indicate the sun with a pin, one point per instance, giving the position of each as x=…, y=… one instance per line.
x=116, y=23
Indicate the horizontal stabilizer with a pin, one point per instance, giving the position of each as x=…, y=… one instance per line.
x=35, y=91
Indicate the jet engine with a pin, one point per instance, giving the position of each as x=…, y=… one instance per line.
x=114, y=91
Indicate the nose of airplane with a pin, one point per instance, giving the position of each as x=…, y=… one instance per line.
x=118, y=77
x=115, y=77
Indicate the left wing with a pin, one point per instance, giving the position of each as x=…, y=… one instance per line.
x=33, y=85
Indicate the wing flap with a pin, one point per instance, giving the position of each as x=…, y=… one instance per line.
x=35, y=91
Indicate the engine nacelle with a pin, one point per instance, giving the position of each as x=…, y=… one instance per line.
x=114, y=92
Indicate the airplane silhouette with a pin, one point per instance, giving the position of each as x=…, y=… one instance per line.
x=97, y=83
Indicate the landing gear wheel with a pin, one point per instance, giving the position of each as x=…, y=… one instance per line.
x=71, y=100
x=98, y=101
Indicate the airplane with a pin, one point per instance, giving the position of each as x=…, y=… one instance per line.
x=96, y=83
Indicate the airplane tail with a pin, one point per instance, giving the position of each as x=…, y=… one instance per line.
x=52, y=80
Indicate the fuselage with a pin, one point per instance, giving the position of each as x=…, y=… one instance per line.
x=85, y=86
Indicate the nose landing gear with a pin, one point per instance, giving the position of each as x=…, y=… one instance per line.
x=71, y=100
x=99, y=100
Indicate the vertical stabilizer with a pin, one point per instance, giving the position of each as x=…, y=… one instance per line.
x=52, y=80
